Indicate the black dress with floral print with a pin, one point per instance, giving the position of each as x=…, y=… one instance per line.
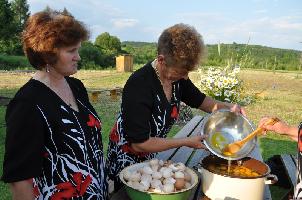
x=57, y=148
x=298, y=188
x=145, y=112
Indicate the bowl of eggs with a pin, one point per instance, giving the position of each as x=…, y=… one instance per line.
x=159, y=180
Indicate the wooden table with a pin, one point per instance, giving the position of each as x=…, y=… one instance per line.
x=190, y=157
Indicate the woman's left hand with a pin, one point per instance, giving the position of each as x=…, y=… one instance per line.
x=237, y=109
x=195, y=142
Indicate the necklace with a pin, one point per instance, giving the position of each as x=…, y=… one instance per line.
x=156, y=71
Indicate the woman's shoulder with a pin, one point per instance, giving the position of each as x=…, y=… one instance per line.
x=142, y=75
x=29, y=91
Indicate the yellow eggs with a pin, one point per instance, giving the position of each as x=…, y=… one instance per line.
x=218, y=140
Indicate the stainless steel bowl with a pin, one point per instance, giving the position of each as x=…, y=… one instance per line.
x=224, y=127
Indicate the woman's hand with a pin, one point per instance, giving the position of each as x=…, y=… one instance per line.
x=210, y=105
x=237, y=109
x=280, y=127
x=195, y=142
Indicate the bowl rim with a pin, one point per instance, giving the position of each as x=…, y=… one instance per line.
x=204, y=121
x=148, y=192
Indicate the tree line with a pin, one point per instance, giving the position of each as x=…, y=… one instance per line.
x=247, y=56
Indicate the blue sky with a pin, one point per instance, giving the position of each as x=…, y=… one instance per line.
x=273, y=23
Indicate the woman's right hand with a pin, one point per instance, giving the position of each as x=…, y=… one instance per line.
x=280, y=127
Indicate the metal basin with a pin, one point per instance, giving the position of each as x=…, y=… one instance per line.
x=224, y=127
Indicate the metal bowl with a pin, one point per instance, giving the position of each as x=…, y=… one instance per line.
x=135, y=194
x=224, y=127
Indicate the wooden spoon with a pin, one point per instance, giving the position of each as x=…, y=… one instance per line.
x=236, y=146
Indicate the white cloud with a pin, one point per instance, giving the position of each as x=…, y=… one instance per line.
x=124, y=23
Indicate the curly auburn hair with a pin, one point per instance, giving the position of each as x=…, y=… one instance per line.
x=182, y=46
x=47, y=31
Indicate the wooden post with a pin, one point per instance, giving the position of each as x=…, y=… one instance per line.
x=113, y=94
x=95, y=96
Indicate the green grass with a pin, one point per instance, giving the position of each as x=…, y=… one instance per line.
x=277, y=94
x=4, y=191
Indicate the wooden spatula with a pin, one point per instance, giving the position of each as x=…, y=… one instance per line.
x=236, y=146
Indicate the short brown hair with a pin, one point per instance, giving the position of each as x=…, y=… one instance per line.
x=47, y=31
x=181, y=46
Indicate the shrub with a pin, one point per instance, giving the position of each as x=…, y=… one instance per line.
x=14, y=62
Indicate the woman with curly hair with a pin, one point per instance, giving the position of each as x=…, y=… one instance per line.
x=151, y=100
x=53, y=146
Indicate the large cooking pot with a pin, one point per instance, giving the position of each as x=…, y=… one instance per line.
x=218, y=187
x=135, y=194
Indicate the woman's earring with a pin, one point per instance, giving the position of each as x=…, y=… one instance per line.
x=47, y=68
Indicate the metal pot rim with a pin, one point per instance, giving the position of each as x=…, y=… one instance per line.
x=268, y=171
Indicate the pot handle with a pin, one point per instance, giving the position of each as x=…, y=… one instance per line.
x=271, y=179
x=198, y=167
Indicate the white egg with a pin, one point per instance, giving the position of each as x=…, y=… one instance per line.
x=142, y=187
x=141, y=170
x=167, y=188
x=136, y=185
x=146, y=178
x=153, y=162
x=135, y=176
x=127, y=175
x=161, y=162
x=187, y=185
x=155, y=168
x=180, y=166
x=174, y=169
x=156, y=175
x=162, y=169
x=169, y=180
x=147, y=170
x=167, y=172
x=179, y=174
x=129, y=183
x=167, y=163
x=145, y=185
x=156, y=183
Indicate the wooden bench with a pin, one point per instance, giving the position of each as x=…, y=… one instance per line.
x=191, y=158
x=4, y=100
x=113, y=92
x=290, y=163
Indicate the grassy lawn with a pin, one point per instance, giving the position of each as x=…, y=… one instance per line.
x=277, y=94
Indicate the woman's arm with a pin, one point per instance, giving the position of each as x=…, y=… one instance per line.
x=281, y=128
x=22, y=190
x=210, y=105
x=155, y=144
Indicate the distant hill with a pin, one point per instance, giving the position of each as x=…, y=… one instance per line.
x=247, y=56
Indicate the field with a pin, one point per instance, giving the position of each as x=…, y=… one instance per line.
x=278, y=93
